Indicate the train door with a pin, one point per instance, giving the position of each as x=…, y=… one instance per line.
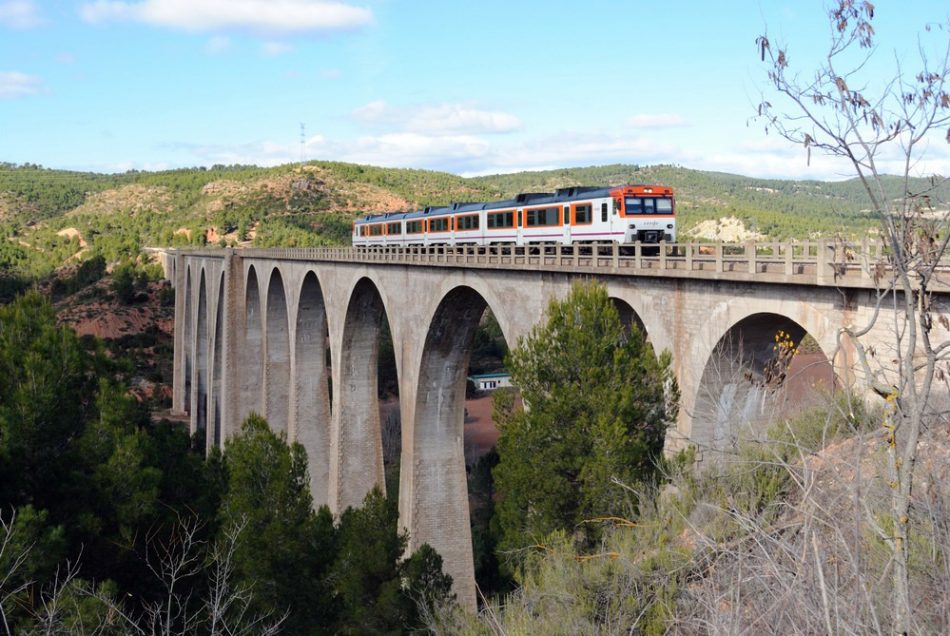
x=566, y=211
x=519, y=226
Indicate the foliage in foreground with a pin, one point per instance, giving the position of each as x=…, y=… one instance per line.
x=599, y=403
x=774, y=541
x=112, y=524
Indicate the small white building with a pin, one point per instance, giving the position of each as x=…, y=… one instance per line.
x=491, y=381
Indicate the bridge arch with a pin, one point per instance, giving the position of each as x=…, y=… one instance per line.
x=437, y=498
x=200, y=417
x=310, y=424
x=359, y=449
x=650, y=318
x=252, y=351
x=629, y=317
x=745, y=386
x=277, y=355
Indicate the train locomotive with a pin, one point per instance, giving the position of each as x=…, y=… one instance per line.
x=621, y=214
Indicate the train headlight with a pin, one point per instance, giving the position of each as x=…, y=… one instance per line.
x=633, y=226
x=669, y=226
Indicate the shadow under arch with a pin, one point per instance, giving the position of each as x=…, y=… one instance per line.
x=187, y=339
x=252, y=351
x=356, y=400
x=216, y=368
x=277, y=344
x=439, y=491
x=763, y=369
x=200, y=418
x=311, y=416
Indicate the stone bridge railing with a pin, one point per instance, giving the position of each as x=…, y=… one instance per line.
x=821, y=262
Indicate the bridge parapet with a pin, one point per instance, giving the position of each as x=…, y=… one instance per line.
x=821, y=263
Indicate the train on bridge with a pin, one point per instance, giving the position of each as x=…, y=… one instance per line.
x=622, y=214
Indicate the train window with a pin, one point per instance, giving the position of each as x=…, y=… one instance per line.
x=439, y=225
x=582, y=214
x=393, y=228
x=376, y=229
x=567, y=215
x=649, y=205
x=413, y=227
x=603, y=212
x=542, y=216
x=468, y=222
x=500, y=219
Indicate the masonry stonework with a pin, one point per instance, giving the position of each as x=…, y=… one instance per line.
x=279, y=311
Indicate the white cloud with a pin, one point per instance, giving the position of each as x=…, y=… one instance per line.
x=268, y=16
x=656, y=120
x=14, y=85
x=372, y=112
x=571, y=150
x=218, y=44
x=416, y=150
x=455, y=118
x=437, y=119
x=273, y=49
x=19, y=14
x=261, y=153
x=473, y=153
x=774, y=157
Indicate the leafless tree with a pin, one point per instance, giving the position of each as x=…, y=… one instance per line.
x=844, y=108
x=13, y=557
x=228, y=606
x=176, y=562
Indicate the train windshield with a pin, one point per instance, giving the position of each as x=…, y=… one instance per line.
x=648, y=205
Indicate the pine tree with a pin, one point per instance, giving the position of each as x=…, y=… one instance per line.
x=598, y=401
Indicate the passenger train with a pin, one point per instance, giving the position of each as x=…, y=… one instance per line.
x=622, y=214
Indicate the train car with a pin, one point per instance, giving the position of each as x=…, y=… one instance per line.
x=623, y=214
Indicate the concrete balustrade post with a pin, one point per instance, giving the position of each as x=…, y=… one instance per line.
x=821, y=258
x=867, y=263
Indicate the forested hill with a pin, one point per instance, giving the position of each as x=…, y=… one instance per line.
x=53, y=219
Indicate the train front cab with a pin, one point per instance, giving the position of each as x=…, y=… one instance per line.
x=648, y=213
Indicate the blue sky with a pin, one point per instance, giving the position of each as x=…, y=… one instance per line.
x=468, y=87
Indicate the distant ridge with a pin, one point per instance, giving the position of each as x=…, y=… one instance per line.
x=314, y=203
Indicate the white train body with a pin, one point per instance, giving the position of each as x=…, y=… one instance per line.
x=623, y=214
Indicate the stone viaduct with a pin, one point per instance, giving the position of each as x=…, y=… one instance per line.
x=294, y=334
